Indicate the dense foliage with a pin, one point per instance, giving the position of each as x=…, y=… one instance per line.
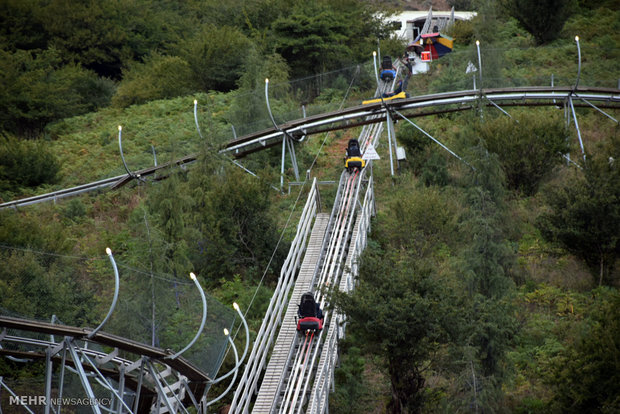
x=585, y=213
x=543, y=19
x=476, y=291
x=62, y=58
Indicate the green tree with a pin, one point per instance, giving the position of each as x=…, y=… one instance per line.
x=350, y=382
x=169, y=205
x=37, y=88
x=544, y=19
x=585, y=213
x=37, y=284
x=104, y=36
x=528, y=146
x=160, y=77
x=319, y=36
x=215, y=57
x=20, y=27
x=25, y=163
x=417, y=144
x=486, y=262
x=233, y=229
x=586, y=375
x=404, y=312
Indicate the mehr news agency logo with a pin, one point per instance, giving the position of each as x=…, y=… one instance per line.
x=62, y=401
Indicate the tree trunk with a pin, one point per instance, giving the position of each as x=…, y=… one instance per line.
x=406, y=383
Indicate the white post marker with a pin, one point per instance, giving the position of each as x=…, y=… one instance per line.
x=371, y=153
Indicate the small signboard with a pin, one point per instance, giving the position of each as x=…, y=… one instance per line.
x=426, y=56
x=371, y=153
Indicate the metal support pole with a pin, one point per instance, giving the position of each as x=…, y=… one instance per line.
x=436, y=141
x=2, y=384
x=504, y=112
x=121, y=390
x=285, y=137
x=572, y=107
x=48, y=379
x=303, y=112
x=479, y=74
x=293, y=157
x=136, y=402
x=389, y=132
x=204, y=317
x=83, y=378
x=104, y=382
x=161, y=393
x=394, y=145
x=62, y=375
x=598, y=109
x=116, y=286
x=282, y=166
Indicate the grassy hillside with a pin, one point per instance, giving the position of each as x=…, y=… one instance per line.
x=510, y=320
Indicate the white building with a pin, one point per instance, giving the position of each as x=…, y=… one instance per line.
x=410, y=24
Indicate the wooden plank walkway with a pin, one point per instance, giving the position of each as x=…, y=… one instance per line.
x=277, y=367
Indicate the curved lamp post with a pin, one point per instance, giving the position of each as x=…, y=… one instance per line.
x=273, y=121
x=196, y=117
x=578, y=62
x=479, y=62
x=120, y=148
x=247, y=345
x=374, y=65
x=204, y=317
x=116, y=286
x=232, y=344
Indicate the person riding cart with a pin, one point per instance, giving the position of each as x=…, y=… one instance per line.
x=309, y=313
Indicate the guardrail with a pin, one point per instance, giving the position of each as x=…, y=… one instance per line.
x=324, y=379
x=277, y=304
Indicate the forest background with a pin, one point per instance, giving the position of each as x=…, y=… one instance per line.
x=493, y=291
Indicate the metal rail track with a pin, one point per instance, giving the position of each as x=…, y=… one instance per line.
x=355, y=116
x=440, y=102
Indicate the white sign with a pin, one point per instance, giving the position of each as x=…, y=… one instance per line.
x=371, y=153
x=471, y=68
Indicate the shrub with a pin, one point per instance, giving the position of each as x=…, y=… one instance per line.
x=543, y=19
x=160, y=77
x=36, y=88
x=25, y=163
x=527, y=149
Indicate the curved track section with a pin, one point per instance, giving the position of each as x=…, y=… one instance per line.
x=136, y=377
x=425, y=105
x=416, y=106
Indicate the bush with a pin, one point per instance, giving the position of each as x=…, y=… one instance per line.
x=160, y=77
x=36, y=88
x=527, y=150
x=25, y=164
x=212, y=65
x=543, y=19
